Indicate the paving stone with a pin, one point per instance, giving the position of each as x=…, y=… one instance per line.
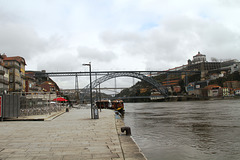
x=71, y=136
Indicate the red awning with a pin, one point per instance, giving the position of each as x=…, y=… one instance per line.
x=60, y=99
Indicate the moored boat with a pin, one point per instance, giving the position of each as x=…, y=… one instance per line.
x=116, y=105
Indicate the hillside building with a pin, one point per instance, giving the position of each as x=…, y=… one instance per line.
x=45, y=83
x=4, y=77
x=199, y=58
x=16, y=66
x=31, y=83
x=199, y=63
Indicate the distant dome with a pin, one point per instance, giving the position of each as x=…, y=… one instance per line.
x=199, y=58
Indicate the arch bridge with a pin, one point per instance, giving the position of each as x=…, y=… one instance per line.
x=106, y=75
x=163, y=90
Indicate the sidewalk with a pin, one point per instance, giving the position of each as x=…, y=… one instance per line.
x=71, y=136
x=45, y=117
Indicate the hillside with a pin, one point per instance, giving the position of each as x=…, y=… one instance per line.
x=143, y=88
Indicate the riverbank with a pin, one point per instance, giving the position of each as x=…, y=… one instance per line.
x=73, y=135
x=178, y=98
x=129, y=147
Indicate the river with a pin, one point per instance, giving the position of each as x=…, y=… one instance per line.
x=187, y=130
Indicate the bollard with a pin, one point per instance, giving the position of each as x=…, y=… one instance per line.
x=95, y=113
x=67, y=109
x=127, y=129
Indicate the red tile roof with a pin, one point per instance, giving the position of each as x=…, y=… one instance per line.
x=212, y=86
x=16, y=58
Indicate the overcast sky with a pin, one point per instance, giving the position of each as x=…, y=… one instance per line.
x=61, y=35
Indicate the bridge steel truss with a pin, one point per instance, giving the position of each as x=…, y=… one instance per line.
x=106, y=75
x=150, y=73
x=162, y=89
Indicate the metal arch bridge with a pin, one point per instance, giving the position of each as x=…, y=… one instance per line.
x=106, y=75
x=149, y=73
x=163, y=90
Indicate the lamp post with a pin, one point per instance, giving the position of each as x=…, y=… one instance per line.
x=89, y=65
x=100, y=99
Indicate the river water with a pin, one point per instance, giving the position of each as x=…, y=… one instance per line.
x=188, y=130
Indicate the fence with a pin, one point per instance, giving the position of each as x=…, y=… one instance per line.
x=10, y=106
x=38, y=103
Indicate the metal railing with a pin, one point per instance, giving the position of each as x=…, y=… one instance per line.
x=38, y=103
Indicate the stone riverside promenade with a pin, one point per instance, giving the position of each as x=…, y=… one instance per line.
x=70, y=136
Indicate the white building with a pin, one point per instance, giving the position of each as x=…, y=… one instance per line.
x=199, y=58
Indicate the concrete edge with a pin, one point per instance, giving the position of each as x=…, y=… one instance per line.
x=52, y=117
x=129, y=147
x=37, y=117
x=139, y=148
x=23, y=119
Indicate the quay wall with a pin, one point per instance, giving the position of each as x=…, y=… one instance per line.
x=129, y=147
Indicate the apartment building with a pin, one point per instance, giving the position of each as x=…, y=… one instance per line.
x=16, y=66
x=4, y=77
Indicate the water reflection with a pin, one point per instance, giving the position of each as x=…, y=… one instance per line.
x=186, y=130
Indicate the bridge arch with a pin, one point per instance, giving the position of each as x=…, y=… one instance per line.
x=162, y=89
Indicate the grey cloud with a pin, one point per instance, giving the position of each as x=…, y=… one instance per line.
x=61, y=60
x=232, y=3
x=119, y=37
x=178, y=39
x=18, y=39
x=21, y=40
x=7, y=17
x=95, y=54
